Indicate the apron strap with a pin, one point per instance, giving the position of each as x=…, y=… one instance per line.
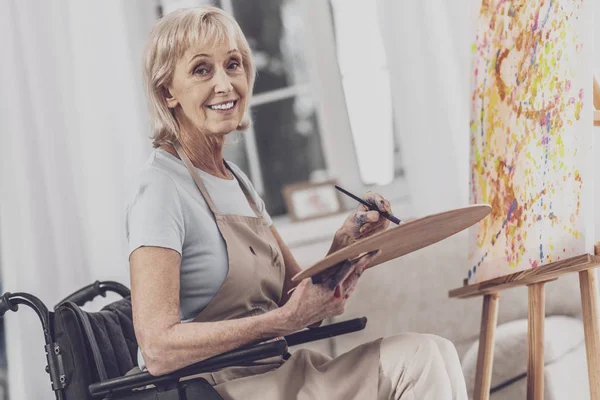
x=246, y=191
x=196, y=177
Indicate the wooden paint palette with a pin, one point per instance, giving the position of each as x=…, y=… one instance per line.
x=405, y=238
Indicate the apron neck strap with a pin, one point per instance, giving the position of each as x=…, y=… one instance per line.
x=196, y=177
x=246, y=191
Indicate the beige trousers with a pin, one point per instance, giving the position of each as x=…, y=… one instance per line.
x=416, y=366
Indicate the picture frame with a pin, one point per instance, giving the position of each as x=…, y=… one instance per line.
x=308, y=200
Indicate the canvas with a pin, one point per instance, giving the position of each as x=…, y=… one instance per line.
x=531, y=135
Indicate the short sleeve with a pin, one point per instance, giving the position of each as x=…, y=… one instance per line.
x=153, y=214
x=260, y=204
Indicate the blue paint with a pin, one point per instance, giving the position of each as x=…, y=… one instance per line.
x=497, y=65
x=547, y=14
x=512, y=209
x=533, y=54
x=541, y=253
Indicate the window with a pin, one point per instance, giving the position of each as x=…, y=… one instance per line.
x=366, y=82
x=317, y=111
x=283, y=145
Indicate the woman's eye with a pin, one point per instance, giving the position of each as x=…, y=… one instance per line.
x=201, y=71
x=234, y=65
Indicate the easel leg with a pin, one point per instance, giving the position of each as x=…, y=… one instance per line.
x=589, y=304
x=485, y=356
x=535, y=336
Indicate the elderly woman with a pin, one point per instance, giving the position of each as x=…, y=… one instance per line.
x=210, y=273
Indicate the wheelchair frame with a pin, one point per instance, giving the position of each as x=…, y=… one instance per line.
x=123, y=385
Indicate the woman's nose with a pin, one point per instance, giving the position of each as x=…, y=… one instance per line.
x=222, y=82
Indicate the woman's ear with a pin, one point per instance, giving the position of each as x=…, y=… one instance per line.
x=171, y=101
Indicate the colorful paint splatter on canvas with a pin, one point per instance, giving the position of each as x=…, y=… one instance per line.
x=530, y=134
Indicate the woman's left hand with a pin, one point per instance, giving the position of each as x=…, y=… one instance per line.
x=362, y=222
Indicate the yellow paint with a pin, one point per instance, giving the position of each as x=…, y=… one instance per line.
x=561, y=148
x=578, y=110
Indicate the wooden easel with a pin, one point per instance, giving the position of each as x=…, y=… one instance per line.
x=535, y=280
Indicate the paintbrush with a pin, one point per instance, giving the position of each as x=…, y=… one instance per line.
x=370, y=206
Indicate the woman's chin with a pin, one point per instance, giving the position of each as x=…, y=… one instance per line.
x=223, y=128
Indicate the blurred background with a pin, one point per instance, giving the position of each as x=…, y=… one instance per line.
x=373, y=94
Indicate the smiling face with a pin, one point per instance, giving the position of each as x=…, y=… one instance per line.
x=209, y=89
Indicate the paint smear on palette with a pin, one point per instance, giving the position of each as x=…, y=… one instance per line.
x=526, y=136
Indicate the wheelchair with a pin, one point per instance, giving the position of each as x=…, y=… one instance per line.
x=90, y=353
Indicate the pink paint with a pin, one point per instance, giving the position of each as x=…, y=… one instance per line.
x=568, y=85
x=572, y=100
x=581, y=93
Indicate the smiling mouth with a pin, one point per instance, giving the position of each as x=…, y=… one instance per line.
x=228, y=105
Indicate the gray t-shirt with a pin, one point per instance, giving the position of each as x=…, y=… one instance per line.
x=166, y=209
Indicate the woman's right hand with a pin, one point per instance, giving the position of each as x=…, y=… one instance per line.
x=312, y=303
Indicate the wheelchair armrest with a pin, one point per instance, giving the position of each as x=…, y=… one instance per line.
x=327, y=331
x=232, y=358
x=91, y=291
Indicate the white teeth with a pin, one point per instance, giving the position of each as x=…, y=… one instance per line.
x=224, y=106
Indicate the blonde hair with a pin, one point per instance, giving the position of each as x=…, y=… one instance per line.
x=171, y=37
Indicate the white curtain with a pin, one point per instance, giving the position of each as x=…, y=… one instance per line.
x=428, y=49
x=73, y=132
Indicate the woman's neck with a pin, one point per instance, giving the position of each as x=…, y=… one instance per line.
x=205, y=152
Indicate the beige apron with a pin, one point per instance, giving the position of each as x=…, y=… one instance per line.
x=253, y=286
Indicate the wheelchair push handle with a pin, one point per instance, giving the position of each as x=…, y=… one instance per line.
x=90, y=292
x=6, y=304
x=85, y=294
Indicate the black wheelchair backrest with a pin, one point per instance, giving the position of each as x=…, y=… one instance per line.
x=95, y=346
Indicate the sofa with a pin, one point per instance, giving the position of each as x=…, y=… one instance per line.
x=410, y=294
